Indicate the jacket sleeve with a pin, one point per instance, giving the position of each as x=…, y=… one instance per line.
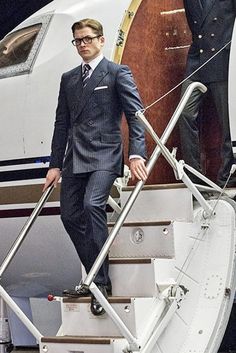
x=61, y=130
x=131, y=103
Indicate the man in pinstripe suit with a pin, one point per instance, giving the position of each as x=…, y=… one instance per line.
x=211, y=23
x=88, y=118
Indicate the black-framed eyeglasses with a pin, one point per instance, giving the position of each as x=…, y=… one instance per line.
x=85, y=40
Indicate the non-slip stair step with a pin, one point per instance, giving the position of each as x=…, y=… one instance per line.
x=160, y=202
x=144, y=239
x=139, y=277
x=82, y=344
x=77, y=319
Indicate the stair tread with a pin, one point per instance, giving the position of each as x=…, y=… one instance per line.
x=111, y=299
x=80, y=339
x=127, y=260
x=157, y=187
x=142, y=223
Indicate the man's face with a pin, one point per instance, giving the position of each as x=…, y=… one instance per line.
x=91, y=50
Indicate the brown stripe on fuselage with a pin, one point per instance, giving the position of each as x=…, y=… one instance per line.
x=26, y=212
x=21, y=194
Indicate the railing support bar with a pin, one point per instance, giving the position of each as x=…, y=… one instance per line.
x=163, y=322
x=202, y=177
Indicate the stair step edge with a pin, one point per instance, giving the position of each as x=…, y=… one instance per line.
x=112, y=300
x=79, y=339
x=142, y=223
x=157, y=187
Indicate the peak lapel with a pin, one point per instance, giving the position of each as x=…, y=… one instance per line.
x=207, y=9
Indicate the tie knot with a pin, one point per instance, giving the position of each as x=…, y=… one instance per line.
x=86, y=68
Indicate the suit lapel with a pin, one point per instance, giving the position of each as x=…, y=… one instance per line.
x=98, y=74
x=193, y=10
x=207, y=8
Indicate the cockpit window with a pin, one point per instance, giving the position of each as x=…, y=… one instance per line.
x=15, y=48
x=19, y=49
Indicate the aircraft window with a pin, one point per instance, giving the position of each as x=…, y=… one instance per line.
x=19, y=49
x=15, y=48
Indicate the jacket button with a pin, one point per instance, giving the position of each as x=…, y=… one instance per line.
x=201, y=50
x=195, y=22
x=199, y=36
x=212, y=35
x=215, y=19
x=213, y=49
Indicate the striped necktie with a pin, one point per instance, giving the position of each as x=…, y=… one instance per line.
x=85, y=74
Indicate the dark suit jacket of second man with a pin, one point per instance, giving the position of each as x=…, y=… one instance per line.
x=211, y=28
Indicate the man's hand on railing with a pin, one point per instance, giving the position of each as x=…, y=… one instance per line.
x=138, y=169
x=53, y=176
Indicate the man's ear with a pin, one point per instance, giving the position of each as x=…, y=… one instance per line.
x=102, y=39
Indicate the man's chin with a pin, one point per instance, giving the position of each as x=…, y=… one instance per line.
x=85, y=55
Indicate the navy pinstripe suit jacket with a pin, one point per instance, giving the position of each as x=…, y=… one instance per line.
x=88, y=120
x=211, y=28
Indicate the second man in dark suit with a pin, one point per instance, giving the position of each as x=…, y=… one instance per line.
x=211, y=23
x=92, y=99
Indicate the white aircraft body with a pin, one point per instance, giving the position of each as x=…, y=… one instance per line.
x=32, y=59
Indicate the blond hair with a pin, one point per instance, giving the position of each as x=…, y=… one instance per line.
x=88, y=22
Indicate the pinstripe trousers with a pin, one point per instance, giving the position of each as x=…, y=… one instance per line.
x=83, y=213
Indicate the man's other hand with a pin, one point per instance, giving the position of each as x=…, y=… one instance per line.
x=138, y=169
x=53, y=176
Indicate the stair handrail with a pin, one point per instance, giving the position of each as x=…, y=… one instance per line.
x=138, y=187
x=24, y=231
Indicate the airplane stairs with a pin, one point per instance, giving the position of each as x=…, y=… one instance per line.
x=172, y=266
x=173, y=276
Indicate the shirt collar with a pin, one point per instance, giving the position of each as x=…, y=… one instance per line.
x=94, y=63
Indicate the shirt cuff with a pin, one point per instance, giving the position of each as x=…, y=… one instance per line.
x=132, y=156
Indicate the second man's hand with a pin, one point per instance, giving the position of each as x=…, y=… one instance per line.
x=138, y=169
